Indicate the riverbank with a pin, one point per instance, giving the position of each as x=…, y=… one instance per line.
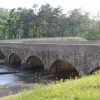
x=86, y=88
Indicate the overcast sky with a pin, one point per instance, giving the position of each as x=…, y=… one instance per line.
x=87, y=5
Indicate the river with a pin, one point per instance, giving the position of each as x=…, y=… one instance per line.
x=13, y=80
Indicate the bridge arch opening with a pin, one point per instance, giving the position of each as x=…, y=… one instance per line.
x=95, y=70
x=34, y=63
x=2, y=56
x=14, y=59
x=62, y=69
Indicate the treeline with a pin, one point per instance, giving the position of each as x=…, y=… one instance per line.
x=47, y=21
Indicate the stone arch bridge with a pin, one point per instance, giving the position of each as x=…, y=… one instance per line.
x=56, y=56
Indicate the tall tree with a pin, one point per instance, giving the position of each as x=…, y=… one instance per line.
x=3, y=18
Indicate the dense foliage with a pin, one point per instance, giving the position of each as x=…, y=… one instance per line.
x=47, y=21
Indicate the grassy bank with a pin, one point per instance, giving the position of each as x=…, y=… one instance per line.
x=86, y=88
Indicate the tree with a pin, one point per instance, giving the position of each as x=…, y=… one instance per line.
x=47, y=21
x=3, y=17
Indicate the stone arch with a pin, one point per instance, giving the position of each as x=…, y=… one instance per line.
x=97, y=69
x=35, y=63
x=14, y=59
x=2, y=56
x=63, y=69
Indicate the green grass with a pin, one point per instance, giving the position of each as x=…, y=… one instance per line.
x=86, y=88
x=75, y=38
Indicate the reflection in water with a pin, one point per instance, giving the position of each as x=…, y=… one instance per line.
x=20, y=74
x=14, y=82
x=7, y=78
x=22, y=78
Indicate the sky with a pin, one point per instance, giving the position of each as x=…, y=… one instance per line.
x=92, y=6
